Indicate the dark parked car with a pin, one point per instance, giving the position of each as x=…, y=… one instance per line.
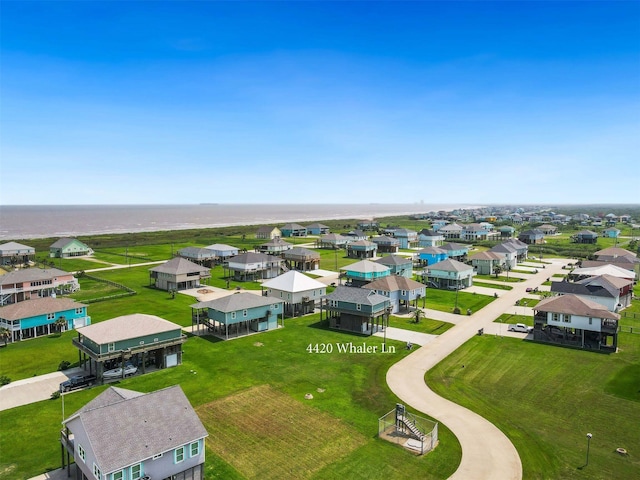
x=77, y=381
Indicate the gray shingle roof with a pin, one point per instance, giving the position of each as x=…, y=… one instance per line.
x=254, y=257
x=31, y=274
x=450, y=265
x=394, y=283
x=179, y=266
x=14, y=246
x=237, y=301
x=124, y=431
x=365, y=266
x=37, y=306
x=574, y=305
x=453, y=246
x=394, y=260
x=356, y=295
x=127, y=326
x=485, y=256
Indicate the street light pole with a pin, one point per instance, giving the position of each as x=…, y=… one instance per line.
x=588, y=445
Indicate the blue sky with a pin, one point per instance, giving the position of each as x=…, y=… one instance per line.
x=319, y=102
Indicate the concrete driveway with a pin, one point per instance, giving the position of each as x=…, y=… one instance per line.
x=487, y=454
x=34, y=389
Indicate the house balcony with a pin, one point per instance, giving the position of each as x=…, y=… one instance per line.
x=609, y=326
x=67, y=441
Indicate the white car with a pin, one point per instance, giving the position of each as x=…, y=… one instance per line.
x=520, y=327
x=117, y=372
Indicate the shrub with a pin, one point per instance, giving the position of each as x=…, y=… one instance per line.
x=55, y=395
x=4, y=380
x=64, y=365
x=456, y=310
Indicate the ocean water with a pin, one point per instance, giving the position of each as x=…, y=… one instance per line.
x=38, y=221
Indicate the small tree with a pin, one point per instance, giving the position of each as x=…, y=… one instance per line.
x=5, y=334
x=497, y=269
x=60, y=324
x=417, y=315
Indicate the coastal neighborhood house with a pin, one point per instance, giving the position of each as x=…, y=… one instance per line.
x=612, y=292
x=142, y=340
x=401, y=291
x=252, y=266
x=357, y=310
x=28, y=283
x=199, y=255
x=42, y=316
x=178, y=274
x=128, y=435
x=575, y=321
x=302, y=259
x=317, y=229
x=269, y=233
x=386, y=244
x=293, y=230
x=13, y=253
x=275, y=246
x=298, y=291
x=398, y=264
x=238, y=314
x=223, y=251
x=69, y=247
x=450, y=274
x=485, y=263
x=365, y=271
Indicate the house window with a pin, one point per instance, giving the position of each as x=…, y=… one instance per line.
x=358, y=307
x=51, y=316
x=404, y=293
x=179, y=455
x=81, y=452
x=566, y=318
x=274, y=306
x=96, y=472
x=111, y=347
x=590, y=321
x=244, y=313
x=556, y=317
x=233, y=315
x=155, y=457
x=136, y=471
x=79, y=311
x=118, y=475
x=194, y=449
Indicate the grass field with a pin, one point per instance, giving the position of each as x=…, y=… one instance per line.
x=426, y=325
x=355, y=394
x=256, y=431
x=547, y=398
x=445, y=300
x=495, y=286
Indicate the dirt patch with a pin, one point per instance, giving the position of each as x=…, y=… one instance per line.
x=257, y=430
x=204, y=290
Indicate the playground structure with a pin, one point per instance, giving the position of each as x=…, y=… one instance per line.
x=417, y=434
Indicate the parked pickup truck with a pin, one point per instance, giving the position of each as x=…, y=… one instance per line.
x=77, y=381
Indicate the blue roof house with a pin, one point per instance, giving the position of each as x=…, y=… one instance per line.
x=611, y=233
x=431, y=255
x=34, y=318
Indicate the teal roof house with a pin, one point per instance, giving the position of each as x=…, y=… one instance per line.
x=362, y=249
x=128, y=435
x=238, y=314
x=357, y=310
x=506, y=231
x=37, y=317
x=69, y=247
x=13, y=253
x=365, y=271
x=398, y=265
x=138, y=339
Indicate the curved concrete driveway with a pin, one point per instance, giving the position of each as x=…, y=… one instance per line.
x=487, y=454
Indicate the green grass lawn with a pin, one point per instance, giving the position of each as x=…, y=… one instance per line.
x=426, y=325
x=496, y=286
x=547, y=398
x=499, y=278
x=511, y=318
x=355, y=393
x=445, y=300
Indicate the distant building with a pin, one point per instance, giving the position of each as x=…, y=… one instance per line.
x=299, y=292
x=293, y=230
x=13, y=253
x=357, y=310
x=317, y=229
x=69, y=247
x=365, y=271
x=398, y=264
x=178, y=274
x=268, y=233
x=28, y=283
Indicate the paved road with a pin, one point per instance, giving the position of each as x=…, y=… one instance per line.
x=487, y=454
